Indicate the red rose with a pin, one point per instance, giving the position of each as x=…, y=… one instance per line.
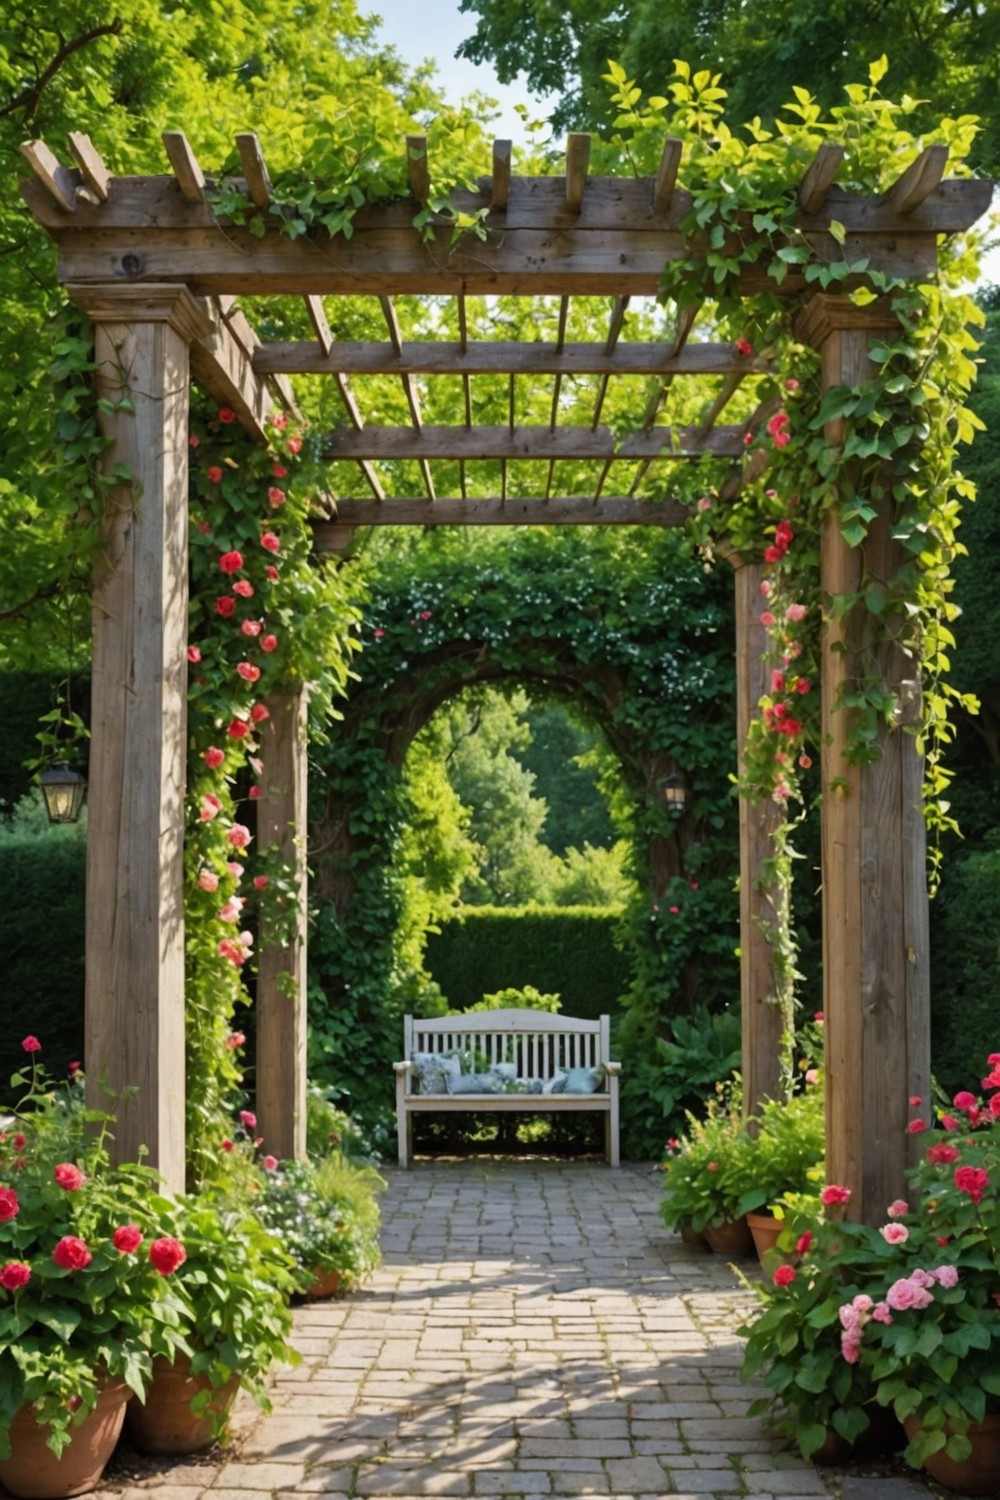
x=259, y=713
x=16, y=1273
x=272, y=572
x=833, y=1194
x=213, y=757
x=743, y=348
x=279, y=471
x=237, y=729
x=127, y=1238
x=276, y=497
x=194, y=655
x=226, y=415
x=261, y=882
x=270, y=1163
x=248, y=671
x=784, y=1275
x=225, y=607
x=166, y=1255
x=244, y=588
x=270, y=542
x=71, y=1253
x=268, y=642
x=214, y=473
x=972, y=1180
x=248, y=1118
x=69, y=1177
x=231, y=562
x=31, y=1044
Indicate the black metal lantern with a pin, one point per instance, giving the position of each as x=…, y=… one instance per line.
x=675, y=796
x=63, y=791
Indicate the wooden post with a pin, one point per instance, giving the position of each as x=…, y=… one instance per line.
x=875, y=919
x=766, y=1025
x=135, y=914
x=281, y=979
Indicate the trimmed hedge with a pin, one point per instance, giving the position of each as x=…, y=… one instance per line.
x=965, y=969
x=42, y=942
x=569, y=950
x=26, y=696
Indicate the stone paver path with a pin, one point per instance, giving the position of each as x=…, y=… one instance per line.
x=534, y=1331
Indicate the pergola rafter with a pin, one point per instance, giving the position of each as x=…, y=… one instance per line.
x=146, y=258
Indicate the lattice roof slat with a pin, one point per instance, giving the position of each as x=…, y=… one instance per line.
x=433, y=442
x=577, y=510
x=92, y=167
x=189, y=176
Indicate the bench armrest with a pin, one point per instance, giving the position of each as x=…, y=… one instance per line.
x=401, y=1067
x=612, y=1067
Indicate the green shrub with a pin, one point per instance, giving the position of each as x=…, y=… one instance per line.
x=567, y=950
x=965, y=967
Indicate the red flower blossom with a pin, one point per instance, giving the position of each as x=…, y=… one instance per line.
x=747, y=439
x=225, y=606
x=244, y=588
x=31, y=1044
x=803, y=1242
x=261, y=882
x=972, y=1180
x=270, y=1163
x=248, y=1118
x=276, y=497
x=269, y=643
x=743, y=348
x=251, y=628
x=248, y=671
x=231, y=562
x=784, y=534
x=194, y=655
x=805, y=761
x=166, y=1255
x=270, y=542
x=832, y=1194
x=8, y=1204
x=294, y=445
x=127, y=1238
x=279, y=471
x=943, y=1155
x=71, y=1254
x=259, y=713
x=767, y=618
x=235, y=1039
x=238, y=728
x=194, y=441
x=773, y=554
x=15, y=1274
x=214, y=474
x=226, y=415
x=784, y=1275
x=69, y=1177
x=916, y=1126
x=254, y=793
x=213, y=757
x=238, y=836
x=272, y=573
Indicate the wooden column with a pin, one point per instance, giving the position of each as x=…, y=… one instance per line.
x=135, y=914
x=281, y=979
x=766, y=1025
x=875, y=920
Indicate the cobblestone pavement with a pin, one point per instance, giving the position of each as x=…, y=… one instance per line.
x=534, y=1331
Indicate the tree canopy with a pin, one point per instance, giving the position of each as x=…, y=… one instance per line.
x=944, y=54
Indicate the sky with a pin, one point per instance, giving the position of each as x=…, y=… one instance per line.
x=421, y=29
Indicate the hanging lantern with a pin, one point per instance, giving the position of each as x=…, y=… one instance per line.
x=675, y=796
x=63, y=791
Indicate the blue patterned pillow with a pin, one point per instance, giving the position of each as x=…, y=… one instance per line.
x=583, y=1081
x=432, y=1071
x=471, y=1083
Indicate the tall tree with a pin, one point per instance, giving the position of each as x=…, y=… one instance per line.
x=945, y=54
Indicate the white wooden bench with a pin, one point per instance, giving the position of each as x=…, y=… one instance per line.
x=535, y=1046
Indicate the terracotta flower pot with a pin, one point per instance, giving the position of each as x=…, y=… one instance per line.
x=764, y=1229
x=979, y=1474
x=325, y=1284
x=165, y=1423
x=693, y=1237
x=34, y=1473
x=732, y=1239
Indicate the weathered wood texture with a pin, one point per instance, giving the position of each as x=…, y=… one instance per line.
x=503, y=357
x=135, y=907
x=761, y=897
x=558, y=510
x=281, y=981
x=531, y=442
x=875, y=920
x=615, y=245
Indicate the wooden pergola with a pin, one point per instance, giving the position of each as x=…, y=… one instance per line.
x=146, y=259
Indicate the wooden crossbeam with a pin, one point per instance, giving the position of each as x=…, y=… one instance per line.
x=666, y=174
x=417, y=169
x=559, y=510
x=254, y=170
x=434, y=442
x=321, y=327
x=58, y=181
x=500, y=188
x=92, y=166
x=505, y=357
x=188, y=174
x=577, y=162
x=917, y=183
x=819, y=177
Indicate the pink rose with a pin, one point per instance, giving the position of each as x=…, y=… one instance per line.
x=270, y=542
x=947, y=1276
x=897, y=1209
x=248, y=671
x=796, y=612
x=31, y=1044
x=270, y=1163
x=767, y=618
x=251, y=627
x=213, y=758
x=238, y=728
x=244, y=588
x=209, y=807
x=194, y=655
x=238, y=836
x=259, y=713
x=69, y=1177
x=8, y=1204
x=895, y=1234
x=235, y=1039
x=833, y=1194
x=269, y=643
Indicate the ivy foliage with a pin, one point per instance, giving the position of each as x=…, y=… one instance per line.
x=634, y=628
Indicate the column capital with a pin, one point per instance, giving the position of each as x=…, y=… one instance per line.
x=825, y=314
x=154, y=303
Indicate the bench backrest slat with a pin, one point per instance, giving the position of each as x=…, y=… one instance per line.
x=538, y=1043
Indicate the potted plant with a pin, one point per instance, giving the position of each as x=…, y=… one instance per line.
x=901, y=1316
x=787, y=1146
x=233, y=1321
x=706, y=1175
x=87, y=1256
x=326, y=1215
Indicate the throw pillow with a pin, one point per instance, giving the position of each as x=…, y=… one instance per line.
x=432, y=1070
x=471, y=1083
x=555, y=1085
x=582, y=1081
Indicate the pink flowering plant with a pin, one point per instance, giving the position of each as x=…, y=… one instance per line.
x=902, y=1315
x=87, y=1256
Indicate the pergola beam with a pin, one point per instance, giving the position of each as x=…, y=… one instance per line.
x=504, y=357
x=532, y=442
x=558, y=510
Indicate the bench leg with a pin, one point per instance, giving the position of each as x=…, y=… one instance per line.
x=404, y=1127
x=611, y=1126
